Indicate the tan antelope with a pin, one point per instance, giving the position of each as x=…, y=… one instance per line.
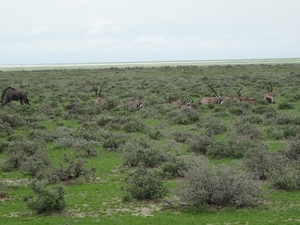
x=174, y=103
x=211, y=100
x=98, y=95
x=186, y=105
x=135, y=103
x=269, y=97
x=240, y=98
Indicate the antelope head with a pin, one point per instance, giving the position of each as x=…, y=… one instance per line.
x=187, y=104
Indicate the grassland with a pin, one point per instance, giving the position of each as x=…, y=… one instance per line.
x=63, y=99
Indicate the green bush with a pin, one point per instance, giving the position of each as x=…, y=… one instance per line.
x=134, y=125
x=112, y=141
x=257, y=160
x=212, y=125
x=221, y=185
x=199, y=143
x=173, y=168
x=287, y=177
x=180, y=136
x=29, y=157
x=141, y=151
x=246, y=130
x=292, y=149
x=45, y=198
x=4, y=189
x=285, y=105
x=72, y=169
x=145, y=184
x=155, y=134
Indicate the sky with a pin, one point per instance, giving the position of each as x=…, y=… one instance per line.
x=98, y=31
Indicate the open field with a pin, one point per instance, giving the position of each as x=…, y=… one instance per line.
x=62, y=119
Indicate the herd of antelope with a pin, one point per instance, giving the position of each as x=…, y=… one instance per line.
x=217, y=99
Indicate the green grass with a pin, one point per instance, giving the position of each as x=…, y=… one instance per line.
x=100, y=201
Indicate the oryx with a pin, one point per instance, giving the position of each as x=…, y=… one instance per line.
x=187, y=104
x=240, y=98
x=135, y=103
x=213, y=100
x=270, y=95
x=98, y=95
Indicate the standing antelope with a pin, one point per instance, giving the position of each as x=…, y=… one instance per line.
x=270, y=95
x=98, y=95
x=213, y=100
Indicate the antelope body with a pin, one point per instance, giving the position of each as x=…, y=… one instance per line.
x=136, y=103
x=211, y=100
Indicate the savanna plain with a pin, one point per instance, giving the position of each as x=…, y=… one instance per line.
x=68, y=159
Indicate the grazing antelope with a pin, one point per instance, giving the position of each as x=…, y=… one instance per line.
x=270, y=95
x=240, y=98
x=174, y=103
x=186, y=105
x=98, y=95
x=211, y=100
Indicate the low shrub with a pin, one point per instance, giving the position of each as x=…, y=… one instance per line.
x=257, y=160
x=145, y=184
x=111, y=141
x=134, y=125
x=212, y=125
x=45, y=198
x=173, y=168
x=142, y=151
x=246, y=130
x=155, y=134
x=286, y=177
x=199, y=143
x=180, y=136
x=221, y=185
x=285, y=105
x=73, y=168
x=29, y=157
x=292, y=149
x=4, y=189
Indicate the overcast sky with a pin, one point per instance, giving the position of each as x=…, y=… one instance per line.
x=88, y=31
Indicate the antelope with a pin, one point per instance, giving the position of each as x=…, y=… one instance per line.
x=240, y=98
x=135, y=103
x=186, y=105
x=213, y=100
x=98, y=95
x=270, y=95
x=174, y=103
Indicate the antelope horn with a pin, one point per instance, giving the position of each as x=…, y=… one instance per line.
x=96, y=90
x=166, y=98
x=99, y=93
x=212, y=90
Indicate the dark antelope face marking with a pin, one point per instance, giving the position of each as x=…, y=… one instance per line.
x=186, y=105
